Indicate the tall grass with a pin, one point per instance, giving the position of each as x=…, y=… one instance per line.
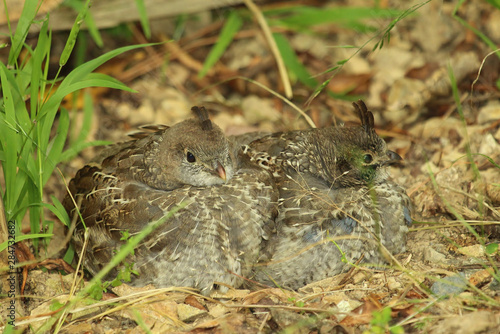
x=34, y=127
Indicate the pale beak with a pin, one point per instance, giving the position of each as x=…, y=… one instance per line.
x=220, y=171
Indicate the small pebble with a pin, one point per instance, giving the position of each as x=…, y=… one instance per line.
x=450, y=285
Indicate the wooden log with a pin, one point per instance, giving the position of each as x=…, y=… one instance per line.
x=110, y=13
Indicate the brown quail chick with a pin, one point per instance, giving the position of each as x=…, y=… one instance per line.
x=335, y=198
x=211, y=243
x=194, y=152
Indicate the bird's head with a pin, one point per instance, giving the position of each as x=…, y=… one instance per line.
x=194, y=152
x=360, y=156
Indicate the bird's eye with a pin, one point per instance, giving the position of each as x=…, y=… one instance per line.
x=190, y=157
x=367, y=158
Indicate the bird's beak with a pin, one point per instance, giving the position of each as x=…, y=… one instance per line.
x=220, y=171
x=393, y=158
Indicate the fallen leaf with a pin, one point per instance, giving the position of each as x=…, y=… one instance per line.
x=191, y=300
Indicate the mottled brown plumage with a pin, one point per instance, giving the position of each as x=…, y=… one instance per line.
x=194, y=152
x=334, y=186
x=214, y=239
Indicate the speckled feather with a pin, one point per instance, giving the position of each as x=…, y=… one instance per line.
x=214, y=239
x=330, y=190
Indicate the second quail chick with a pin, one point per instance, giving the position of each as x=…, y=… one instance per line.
x=335, y=197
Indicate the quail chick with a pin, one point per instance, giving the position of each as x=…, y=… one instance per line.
x=194, y=152
x=335, y=198
x=211, y=243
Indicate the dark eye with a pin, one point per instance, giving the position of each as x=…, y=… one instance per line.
x=190, y=157
x=367, y=158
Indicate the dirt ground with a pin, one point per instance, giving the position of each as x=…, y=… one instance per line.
x=443, y=283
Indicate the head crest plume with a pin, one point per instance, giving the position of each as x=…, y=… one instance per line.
x=202, y=114
x=366, y=116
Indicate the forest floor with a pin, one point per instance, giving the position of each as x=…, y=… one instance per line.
x=444, y=282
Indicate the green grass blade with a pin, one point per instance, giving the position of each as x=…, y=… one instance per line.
x=488, y=158
x=18, y=196
x=35, y=199
x=83, y=70
x=292, y=62
x=320, y=88
x=82, y=45
x=23, y=72
x=93, y=80
x=9, y=329
x=78, y=144
x=56, y=146
x=46, y=70
x=41, y=51
x=23, y=237
x=28, y=14
x=70, y=254
x=35, y=170
x=88, y=111
x=93, y=30
x=16, y=114
x=300, y=18
x=143, y=15
x=495, y=3
x=233, y=24
x=8, y=136
x=26, y=164
x=361, y=27
x=58, y=210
